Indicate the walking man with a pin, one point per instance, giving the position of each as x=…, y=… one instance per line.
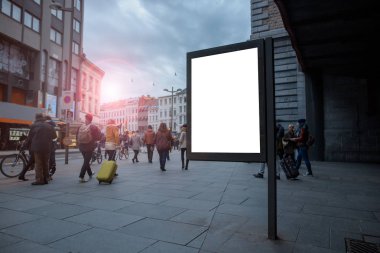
x=87, y=136
x=301, y=139
x=149, y=137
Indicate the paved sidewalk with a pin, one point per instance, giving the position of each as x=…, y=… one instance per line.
x=212, y=207
x=58, y=151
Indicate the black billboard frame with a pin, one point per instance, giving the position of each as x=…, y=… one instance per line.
x=220, y=156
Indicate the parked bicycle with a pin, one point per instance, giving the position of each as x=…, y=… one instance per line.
x=12, y=165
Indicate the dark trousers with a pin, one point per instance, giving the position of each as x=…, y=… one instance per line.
x=42, y=166
x=163, y=154
x=87, y=155
x=136, y=154
x=150, y=148
x=111, y=155
x=28, y=165
x=52, y=164
x=183, y=151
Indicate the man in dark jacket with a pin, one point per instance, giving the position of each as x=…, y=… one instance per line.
x=87, y=145
x=41, y=137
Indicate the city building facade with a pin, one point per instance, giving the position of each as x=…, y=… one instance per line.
x=41, y=59
x=165, y=107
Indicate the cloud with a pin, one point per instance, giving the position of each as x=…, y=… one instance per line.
x=146, y=41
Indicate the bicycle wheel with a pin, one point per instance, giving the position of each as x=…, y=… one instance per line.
x=120, y=154
x=99, y=158
x=12, y=165
x=126, y=154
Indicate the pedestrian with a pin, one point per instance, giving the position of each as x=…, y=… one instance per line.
x=163, y=139
x=279, y=130
x=41, y=136
x=112, y=139
x=52, y=163
x=87, y=136
x=136, y=145
x=149, y=137
x=182, y=144
x=302, y=135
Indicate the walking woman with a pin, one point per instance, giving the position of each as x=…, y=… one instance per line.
x=136, y=145
x=182, y=144
x=163, y=139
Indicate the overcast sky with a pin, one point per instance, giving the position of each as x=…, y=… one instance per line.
x=142, y=44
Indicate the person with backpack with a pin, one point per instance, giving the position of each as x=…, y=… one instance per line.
x=149, y=137
x=87, y=136
x=301, y=140
x=163, y=140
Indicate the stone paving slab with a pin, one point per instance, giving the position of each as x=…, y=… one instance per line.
x=152, y=211
x=167, y=231
x=49, y=230
x=99, y=241
x=59, y=210
x=11, y=218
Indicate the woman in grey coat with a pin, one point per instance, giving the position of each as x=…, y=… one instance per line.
x=136, y=144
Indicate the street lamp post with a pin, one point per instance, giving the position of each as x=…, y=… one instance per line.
x=172, y=108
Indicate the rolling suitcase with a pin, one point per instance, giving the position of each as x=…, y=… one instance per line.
x=107, y=172
x=289, y=167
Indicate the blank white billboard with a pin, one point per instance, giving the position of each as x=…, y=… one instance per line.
x=225, y=114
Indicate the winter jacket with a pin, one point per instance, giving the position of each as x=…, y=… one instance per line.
x=182, y=140
x=163, y=140
x=112, y=134
x=136, y=142
x=41, y=136
x=149, y=136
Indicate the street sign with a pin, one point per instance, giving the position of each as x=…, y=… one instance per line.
x=67, y=100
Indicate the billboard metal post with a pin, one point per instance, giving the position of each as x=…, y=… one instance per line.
x=271, y=146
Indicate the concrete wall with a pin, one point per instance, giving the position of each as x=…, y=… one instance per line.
x=289, y=81
x=351, y=132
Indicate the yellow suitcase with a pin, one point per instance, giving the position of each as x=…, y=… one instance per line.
x=107, y=172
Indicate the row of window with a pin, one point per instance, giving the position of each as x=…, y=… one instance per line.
x=14, y=11
x=166, y=101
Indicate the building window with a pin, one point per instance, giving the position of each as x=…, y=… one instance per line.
x=166, y=101
x=55, y=36
x=180, y=109
x=184, y=99
x=76, y=26
x=75, y=48
x=160, y=102
x=53, y=74
x=180, y=100
x=74, y=79
x=175, y=100
x=57, y=13
x=77, y=4
x=11, y=10
x=31, y=22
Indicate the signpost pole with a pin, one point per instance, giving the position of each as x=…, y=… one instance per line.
x=271, y=146
x=66, y=136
